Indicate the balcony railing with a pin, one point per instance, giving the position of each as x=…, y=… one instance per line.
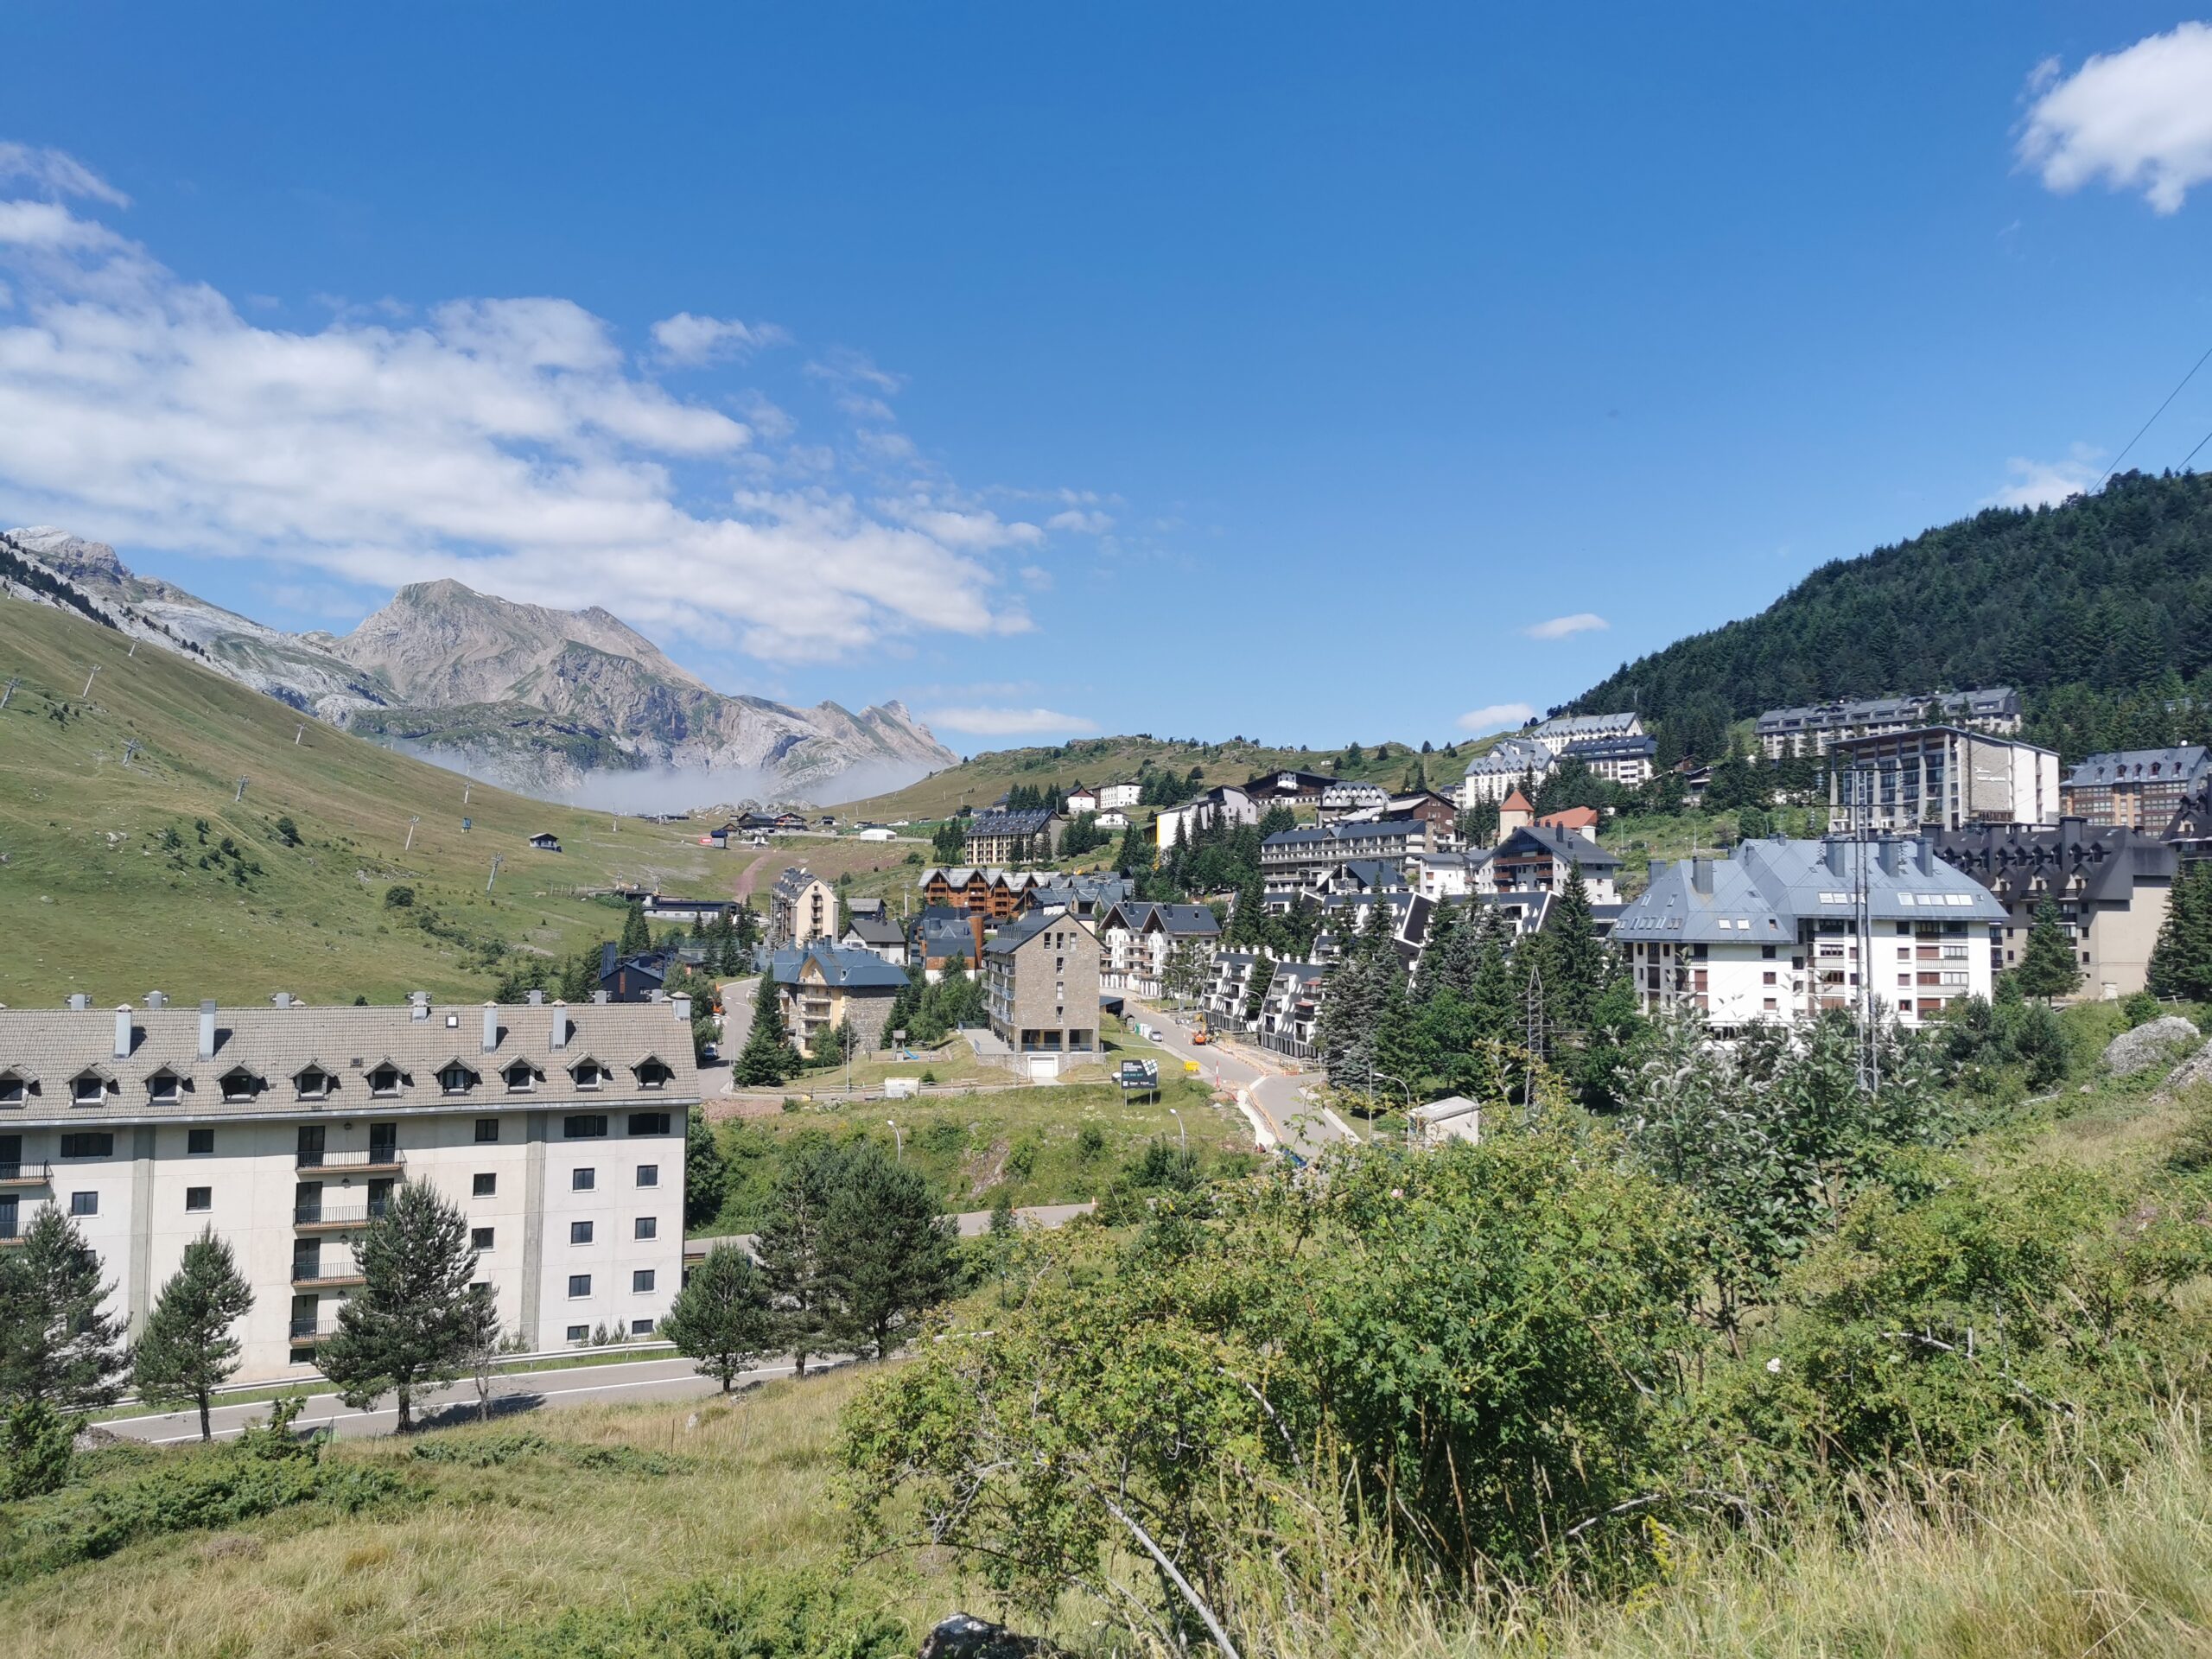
x=303, y=1275
x=310, y=1216
x=313, y=1330
x=25, y=1174
x=353, y=1163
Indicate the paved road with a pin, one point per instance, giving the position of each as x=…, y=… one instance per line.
x=1293, y=1120
x=674, y=1378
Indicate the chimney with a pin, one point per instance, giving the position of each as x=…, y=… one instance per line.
x=282, y=999
x=1701, y=874
x=682, y=1008
x=657, y=994
x=123, y=1031
x=207, y=1029
x=491, y=1026
x=538, y=999
x=560, y=1023
x=80, y=1000
x=976, y=931
x=1838, y=863
x=157, y=999
x=1890, y=856
x=599, y=996
x=418, y=1005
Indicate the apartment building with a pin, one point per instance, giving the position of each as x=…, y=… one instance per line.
x=822, y=986
x=1938, y=777
x=1539, y=857
x=1298, y=858
x=1816, y=727
x=2135, y=789
x=558, y=1130
x=1494, y=776
x=1027, y=837
x=1135, y=940
x=1340, y=801
x=802, y=908
x=2110, y=886
x=1627, y=761
x=1562, y=732
x=1771, y=933
x=1223, y=804
x=1040, y=989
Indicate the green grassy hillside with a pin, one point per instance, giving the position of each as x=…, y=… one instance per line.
x=117, y=879
x=979, y=779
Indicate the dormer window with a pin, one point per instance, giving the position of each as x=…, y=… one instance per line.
x=384, y=1081
x=161, y=1088
x=88, y=1089
x=14, y=1089
x=456, y=1078
x=315, y=1083
x=521, y=1077
x=589, y=1074
x=653, y=1074
x=240, y=1084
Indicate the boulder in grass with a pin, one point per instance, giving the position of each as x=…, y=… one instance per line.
x=965, y=1636
x=2196, y=1069
x=2161, y=1042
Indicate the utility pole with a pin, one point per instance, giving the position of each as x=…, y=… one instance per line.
x=465, y=788
x=1862, y=912
x=14, y=680
x=408, y=844
x=133, y=651
x=240, y=795
x=1535, y=1038
x=494, y=876
x=299, y=734
x=88, y=685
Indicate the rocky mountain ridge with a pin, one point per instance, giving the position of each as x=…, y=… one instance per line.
x=541, y=700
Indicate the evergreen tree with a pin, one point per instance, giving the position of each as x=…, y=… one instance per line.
x=56, y=1347
x=1580, y=962
x=722, y=1317
x=886, y=1256
x=1256, y=989
x=636, y=936
x=1134, y=856
x=416, y=1316
x=767, y=1057
x=1491, y=999
x=2181, y=961
x=789, y=1246
x=706, y=1172
x=2048, y=968
x=187, y=1351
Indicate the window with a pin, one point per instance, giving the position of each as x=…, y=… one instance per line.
x=648, y=1174
x=583, y=1128
x=487, y=1130
x=647, y=1227
x=583, y=1180
x=88, y=1145
x=653, y=1075
x=12, y=1089
x=199, y=1143
x=580, y=1232
x=579, y=1284
x=641, y=1280
x=1767, y=978
x=84, y=1203
x=590, y=1074
x=649, y=1122
x=579, y=1333
x=199, y=1197
x=384, y=1080
x=314, y=1083
x=240, y=1084
x=89, y=1089
x=479, y=1238
x=161, y=1088
x=1767, y=951
x=484, y=1186
x=521, y=1077
x=456, y=1079
x=641, y=1327
x=1769, y=1003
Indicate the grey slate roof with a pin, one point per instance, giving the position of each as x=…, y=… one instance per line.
x=1562, y=844
x=1014, y=935
x=1329, y=832
x=1610, y=748
x=2020, y=862
x=1989, y=702
x=1510, y=758
x=847, y=970
x=1178, y=921
x=876, y=930
x=1027, y=822
x=2190, y=763
x=50, y=1047
x=1758, y=895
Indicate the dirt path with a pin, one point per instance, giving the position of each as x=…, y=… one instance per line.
x=747, y=876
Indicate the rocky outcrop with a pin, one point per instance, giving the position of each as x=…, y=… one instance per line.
x=965, y=1636
x=2196, y=1069
x=2160, y=1042
x=545, y=701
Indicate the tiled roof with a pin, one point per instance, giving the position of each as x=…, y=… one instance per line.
x=50, y=1047
x=2188, y=763
x=1759, y=895
x=1028, y=822
x=847, y=970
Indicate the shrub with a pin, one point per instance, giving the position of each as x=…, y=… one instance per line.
x=1090, y=1142
x=801, y=1615
x=39, y=1446
x=398, y=897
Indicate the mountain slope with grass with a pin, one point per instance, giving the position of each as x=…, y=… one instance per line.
x=2100, y=609
x=128, y=868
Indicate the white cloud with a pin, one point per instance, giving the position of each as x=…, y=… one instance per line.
x=56, y=173
x=2140, y=119
x=1561, y=627
x=688, y=341
x=2047, y=483
x=1496, y=717
x=1007, y=722
x=502, y=441
x=1080, y=522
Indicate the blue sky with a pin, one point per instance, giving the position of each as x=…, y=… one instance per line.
x=1279, y=371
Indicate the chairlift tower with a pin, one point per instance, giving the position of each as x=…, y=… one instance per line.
x=1862, y=914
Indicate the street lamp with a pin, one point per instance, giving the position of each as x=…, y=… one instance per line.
x=1182, y=1133
x=898, y=1141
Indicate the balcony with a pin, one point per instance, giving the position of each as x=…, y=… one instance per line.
x=305, y=1277
x=313, y=1330
x=337, y=1218
x=376, y=1161
x=26, y=1174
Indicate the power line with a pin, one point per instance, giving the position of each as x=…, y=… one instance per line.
x=2153, y=421
x=2191, y=455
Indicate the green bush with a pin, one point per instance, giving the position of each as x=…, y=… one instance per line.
x=39, y=1446
x=497, y=1451
x=801, y=1615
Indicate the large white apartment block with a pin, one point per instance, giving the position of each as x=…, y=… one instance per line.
x=1561, y=732
x=1494, y=776
x=1813, y=728
x=559, y=1131
x=1936, y=778
x=1773, y=933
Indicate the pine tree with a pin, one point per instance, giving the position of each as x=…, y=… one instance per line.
x=1256, y=989
x=2181, y=961
x=886, y=1256
x=1492, y=997
x=767, y=1057
x=789, y=1247
x=636, y=936
x=56, y=1347
x=416, y=1316
x=1579, y=963
x=706, y=1173
x=187, y=1351
x=722, y=1317
x=2048, y=968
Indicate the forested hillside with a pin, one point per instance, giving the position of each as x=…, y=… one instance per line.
x=2110, y=592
